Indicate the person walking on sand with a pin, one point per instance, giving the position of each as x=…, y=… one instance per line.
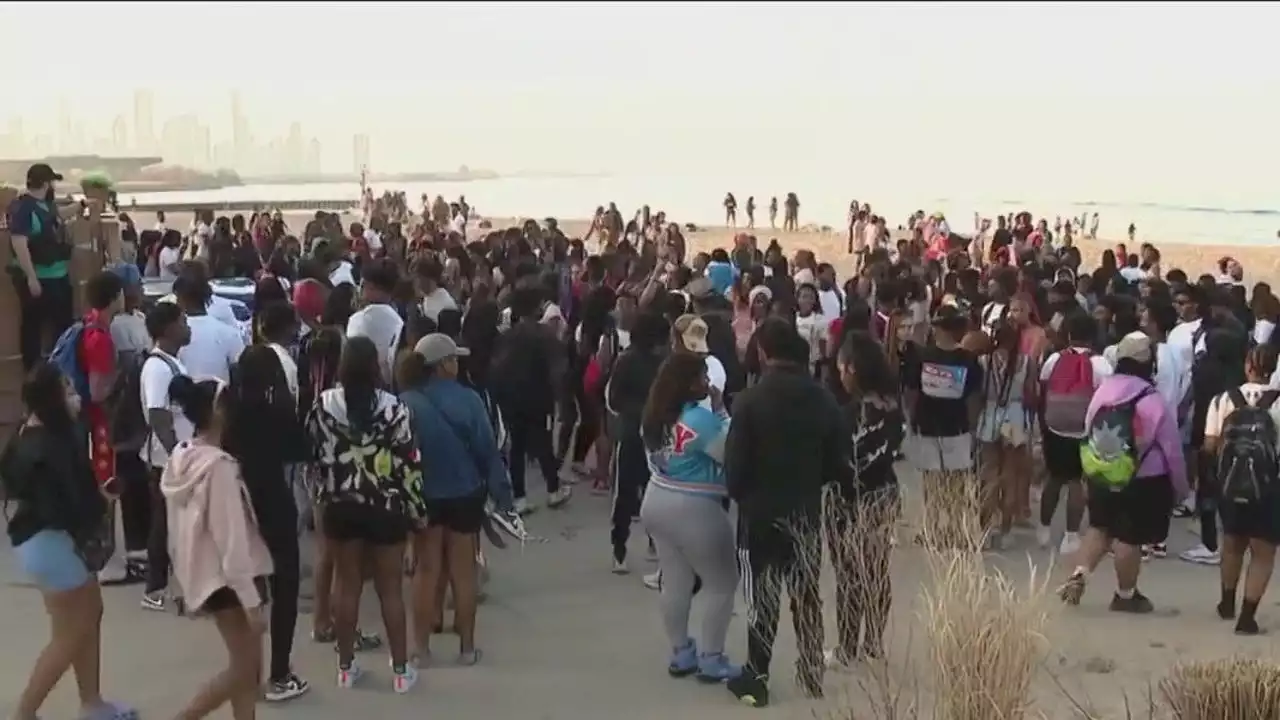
x=730, y=210
x=791, y=222
x=751, y=212
x=773, y=213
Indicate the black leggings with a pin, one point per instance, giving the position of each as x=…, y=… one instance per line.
x=530, y=437
x=579, y=422
x=1207, y=500
x=286, y=582
x=53, y=310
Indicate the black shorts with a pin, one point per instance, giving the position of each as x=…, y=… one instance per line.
x=1255, y=521
x=346, y=521
x=224, y=598
x=1136, y=515
x=1062, y=457
x=462, y=515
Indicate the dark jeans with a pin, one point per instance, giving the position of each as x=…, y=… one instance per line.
x=775, y=557
x=531, y=438
x=135, y=500
x=53, y=311
x=158, y=537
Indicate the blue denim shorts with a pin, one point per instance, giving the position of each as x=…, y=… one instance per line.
x=50, y=560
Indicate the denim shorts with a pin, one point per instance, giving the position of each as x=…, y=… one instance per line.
x=50, y=560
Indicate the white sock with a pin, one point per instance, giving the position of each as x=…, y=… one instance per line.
x=1125, y=594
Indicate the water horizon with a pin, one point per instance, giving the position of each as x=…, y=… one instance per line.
x=697, y=199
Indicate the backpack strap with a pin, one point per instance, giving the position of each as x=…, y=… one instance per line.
x=1268, y=399
x=1238, y=398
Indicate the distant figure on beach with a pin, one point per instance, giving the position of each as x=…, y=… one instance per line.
x=440, y=212
x=773, y=213
x=730, y=210
x=791, y=221
x=1133, y=229
x=751, y=212
x=1093, y=227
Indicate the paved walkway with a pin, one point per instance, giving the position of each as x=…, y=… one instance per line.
x=566, y=640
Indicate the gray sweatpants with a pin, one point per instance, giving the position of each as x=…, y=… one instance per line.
x=694, y=537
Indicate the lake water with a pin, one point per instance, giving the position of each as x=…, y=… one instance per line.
x=697, y=198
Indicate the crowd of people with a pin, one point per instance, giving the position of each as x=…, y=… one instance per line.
x=745, y=407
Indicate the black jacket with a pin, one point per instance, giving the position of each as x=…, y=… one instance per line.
x=49, y=485
x=787, y=440
x=628, y=389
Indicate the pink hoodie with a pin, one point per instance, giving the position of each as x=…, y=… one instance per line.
x=213, y=534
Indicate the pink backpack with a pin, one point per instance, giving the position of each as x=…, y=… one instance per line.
x=1068, y=391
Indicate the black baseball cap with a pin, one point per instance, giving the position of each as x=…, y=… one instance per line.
x=41, y=173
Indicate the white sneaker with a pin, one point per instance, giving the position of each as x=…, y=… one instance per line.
x=523, y=507
x=653, y=580
x=404, y=681
x=1044, y=536
x=559, y=497
x=1070, y=544
x=1202, y=555
x=620, y=567
x=348, y=676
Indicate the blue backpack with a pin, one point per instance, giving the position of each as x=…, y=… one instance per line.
x=66, y=357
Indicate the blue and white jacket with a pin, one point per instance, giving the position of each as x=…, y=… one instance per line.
x=692, y=458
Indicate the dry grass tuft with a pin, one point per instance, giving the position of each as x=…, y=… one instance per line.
x=986, y=634
x=1233, y=688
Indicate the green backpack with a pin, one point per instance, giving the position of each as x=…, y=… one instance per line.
x=1109, y=453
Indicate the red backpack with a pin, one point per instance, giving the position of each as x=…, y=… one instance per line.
x=1068, y=392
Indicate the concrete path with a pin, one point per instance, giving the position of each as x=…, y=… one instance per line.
x=566, y=640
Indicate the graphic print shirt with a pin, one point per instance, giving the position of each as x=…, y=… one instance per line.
x=945, y=380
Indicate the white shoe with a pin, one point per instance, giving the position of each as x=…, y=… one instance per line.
x=559, y=497
x=1044, y=536
x=523, y=507
x=1070, y=544
x=404, y=681
x=620, y=567
x=653, y=580
x=1202, y=555
x=348, y=676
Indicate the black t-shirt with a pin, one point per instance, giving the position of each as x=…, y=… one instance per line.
x=945, y=380
x=1001, y=238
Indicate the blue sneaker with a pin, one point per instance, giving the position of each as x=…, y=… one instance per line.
x=684, y=660
x=716, y=668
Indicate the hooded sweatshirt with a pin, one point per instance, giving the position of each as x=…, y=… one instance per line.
x=1156, y=426
x=376, y=465
x=213, y=532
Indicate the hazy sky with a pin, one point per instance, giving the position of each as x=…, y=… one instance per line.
x=1181, y=98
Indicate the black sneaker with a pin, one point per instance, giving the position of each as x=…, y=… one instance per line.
x=750, y=688
x=288, y=688
x=1137, y=604
x=1249, y=626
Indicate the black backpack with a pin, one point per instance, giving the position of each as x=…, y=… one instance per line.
x=126, y=421
x=1247, y=462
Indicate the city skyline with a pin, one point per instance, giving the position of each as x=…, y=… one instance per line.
x=1085, y=100
x=185, y=140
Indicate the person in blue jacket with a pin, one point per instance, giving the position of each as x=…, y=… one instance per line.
x=461, y=465
x=683, y=511
x=721, y=272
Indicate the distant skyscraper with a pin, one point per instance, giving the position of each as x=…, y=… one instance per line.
x=314, y=163
x=241, y=137
x=359, y=152
x=120, y=136
x=144, y=130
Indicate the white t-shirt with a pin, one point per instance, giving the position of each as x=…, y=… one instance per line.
x=169, y=257
x=1262, y=330
x=438, y=300
x=813, y=328
x=374, y=239
x=290, y=367
x=830, y=302
x=154, y=389
x=383, y=325
x=222, y=310
x=458, y=224
x=213, y=349
x=1132, y=274
x=1181, y=336
x=342, y=274
x=1101, y=368
x=1221, y=407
